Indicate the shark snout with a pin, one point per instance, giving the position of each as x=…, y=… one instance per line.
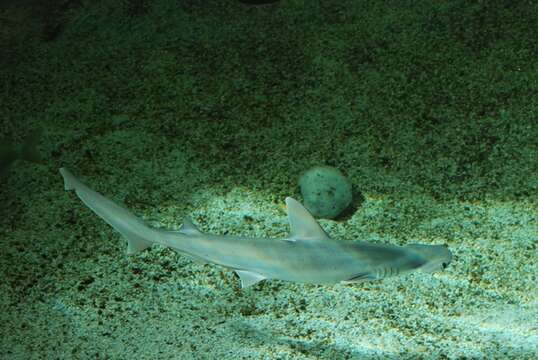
x=437, y=257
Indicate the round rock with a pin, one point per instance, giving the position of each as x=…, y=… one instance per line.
x=326, y=191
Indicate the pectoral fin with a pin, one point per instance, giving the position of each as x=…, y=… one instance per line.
x=249, y=278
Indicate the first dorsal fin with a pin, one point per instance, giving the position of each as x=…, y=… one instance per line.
x=302, y=223
x=188, y=228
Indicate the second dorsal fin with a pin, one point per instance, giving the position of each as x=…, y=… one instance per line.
x=188, y=228
x=302, y=223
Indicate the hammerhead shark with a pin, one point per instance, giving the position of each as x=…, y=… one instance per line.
x=306, y=255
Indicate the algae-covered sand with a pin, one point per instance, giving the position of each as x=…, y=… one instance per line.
x=213, y=109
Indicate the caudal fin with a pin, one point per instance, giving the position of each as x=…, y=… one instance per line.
x=136, y=231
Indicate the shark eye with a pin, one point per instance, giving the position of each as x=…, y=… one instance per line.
x=444, y=265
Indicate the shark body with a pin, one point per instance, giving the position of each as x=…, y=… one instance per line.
x=307, y=255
